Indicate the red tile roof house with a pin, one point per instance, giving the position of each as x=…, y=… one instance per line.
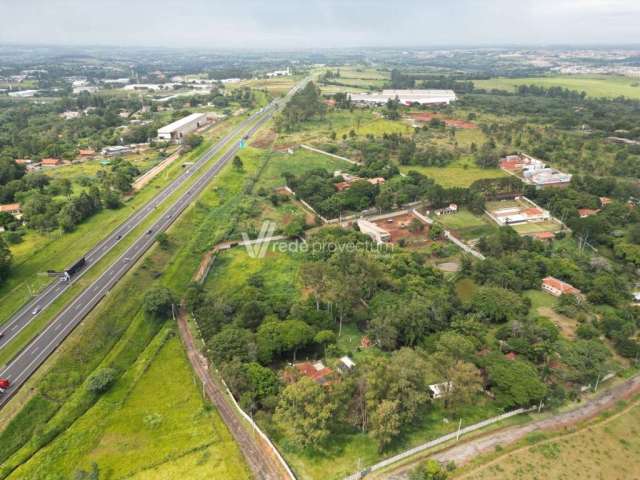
x=544, y=235
x=557, y=287
x=12, y=208
x=586, y=212
x=50, y=162
x=315, y=371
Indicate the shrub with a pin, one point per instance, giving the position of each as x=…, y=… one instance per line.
x=101, y=380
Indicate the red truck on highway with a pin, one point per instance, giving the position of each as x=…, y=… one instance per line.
x=4, y=384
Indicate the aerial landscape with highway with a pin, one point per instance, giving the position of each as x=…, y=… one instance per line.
x=323, y=242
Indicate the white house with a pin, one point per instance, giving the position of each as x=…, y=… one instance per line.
x=438, y=390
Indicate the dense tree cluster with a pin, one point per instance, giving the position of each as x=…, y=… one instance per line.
x=303, y=105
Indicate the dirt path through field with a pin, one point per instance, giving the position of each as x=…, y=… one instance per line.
x=257, y=453
x=463, y=453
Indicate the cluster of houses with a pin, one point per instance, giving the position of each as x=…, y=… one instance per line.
x=323, y=375
x=535, y=171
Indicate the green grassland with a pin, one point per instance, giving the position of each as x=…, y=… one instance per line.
x=362, y=72
x=461, y=173
x=609, y=448
x=466, y=225
x=50, y=411
x=278, y=270
x=301, y=161
x=153, y=416
x=594, y=85
x=537, y=227
x=276, y=86
x=143, y=160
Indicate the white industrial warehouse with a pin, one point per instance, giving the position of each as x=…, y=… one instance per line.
x=177, y=130
x=407, y=97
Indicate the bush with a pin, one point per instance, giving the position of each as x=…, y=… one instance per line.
x=100, y=381
x=158, y=302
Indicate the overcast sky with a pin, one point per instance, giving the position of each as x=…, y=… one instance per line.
x=318, y=23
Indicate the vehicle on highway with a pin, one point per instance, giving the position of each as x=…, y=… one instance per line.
x=1, y=334
x=149, y=232
x=4, y=384
x=36, y=310
x=73, y=269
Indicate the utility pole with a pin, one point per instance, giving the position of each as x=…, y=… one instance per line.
x=459, y=426
x=595, y=389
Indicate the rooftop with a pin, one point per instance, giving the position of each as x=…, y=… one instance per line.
x=181, y=123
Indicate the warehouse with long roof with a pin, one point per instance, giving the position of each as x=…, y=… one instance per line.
x=407, y=97
x=177, y=130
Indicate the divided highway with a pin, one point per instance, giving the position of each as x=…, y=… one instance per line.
x=51, y=292
x=31, y=357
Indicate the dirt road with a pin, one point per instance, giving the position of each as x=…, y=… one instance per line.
x=463, y=453
x=257, y=453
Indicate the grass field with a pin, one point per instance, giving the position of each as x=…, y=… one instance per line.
x=457, y=174
x=153, y=416
x=301, y=161
x=465, y=224
x=537, y=227
x=593, y=85
x=609, y=449
x=341, y=122
x=278, y=271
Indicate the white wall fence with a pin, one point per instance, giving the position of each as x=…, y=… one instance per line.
x=265, y=438
x=433, y=443
x=452, y=238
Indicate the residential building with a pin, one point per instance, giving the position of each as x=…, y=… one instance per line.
x=86, y=152
x=439, y=390
x=547, y=177
x=452, y=208
x=406, y=97
x=12, y=208
x=177, y=130
x=345, y=364
x=587, y=212
x=604, y=201
x=516, y=215
x=50, y=162
x=521, y=162
x=557, y=287
x=316, y=371
x=378, y=234
x=116, y=150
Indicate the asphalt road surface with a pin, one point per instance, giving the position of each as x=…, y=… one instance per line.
x=31, y=357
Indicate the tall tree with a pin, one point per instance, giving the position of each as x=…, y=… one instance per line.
x=304, y=413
